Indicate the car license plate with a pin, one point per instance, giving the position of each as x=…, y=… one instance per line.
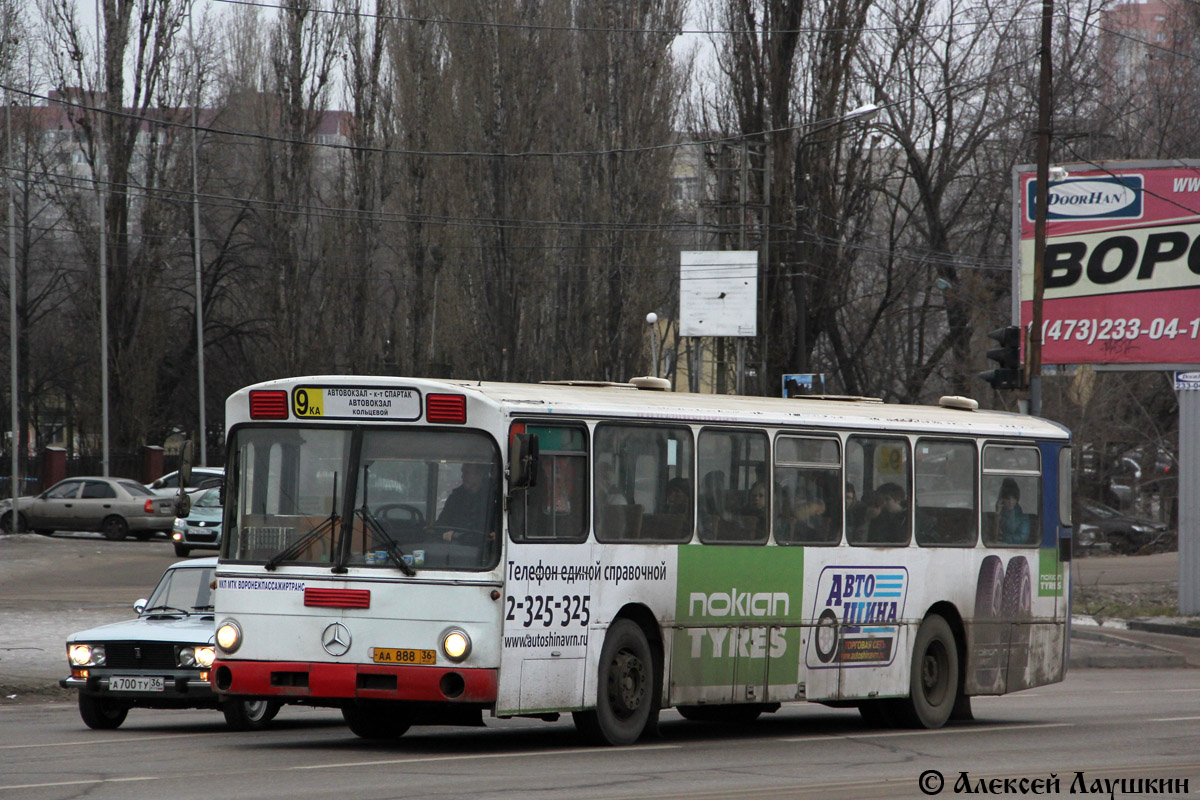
x=392, y=655
x=135, y=683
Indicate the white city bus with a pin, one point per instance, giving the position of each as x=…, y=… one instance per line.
x=415, y=551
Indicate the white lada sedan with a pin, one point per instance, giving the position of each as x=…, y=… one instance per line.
x=159, y=660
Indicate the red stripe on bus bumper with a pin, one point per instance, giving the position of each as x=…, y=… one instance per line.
x=319, y=680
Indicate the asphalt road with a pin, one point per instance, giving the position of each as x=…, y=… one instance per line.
x=1105, y=724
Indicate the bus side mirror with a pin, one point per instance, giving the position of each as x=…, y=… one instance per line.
x=523, y=461
x=185, y=464
x=183, y=503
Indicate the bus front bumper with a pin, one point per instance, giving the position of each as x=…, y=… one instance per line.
x=316, y=681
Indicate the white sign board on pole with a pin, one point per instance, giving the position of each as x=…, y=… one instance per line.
x=718, y=293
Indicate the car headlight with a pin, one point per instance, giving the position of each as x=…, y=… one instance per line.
x=85, y=655
x=229, y=636
x=196, y=656
x=456, y=644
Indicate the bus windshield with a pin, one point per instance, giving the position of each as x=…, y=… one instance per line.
x=421, y=498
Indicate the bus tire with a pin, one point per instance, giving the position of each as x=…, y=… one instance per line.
x=249, y=715
x=376, y=720
x=101, y=713
x=626, y=688
x=933, y=682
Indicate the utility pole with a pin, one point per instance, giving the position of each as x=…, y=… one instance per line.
x=1041, y=204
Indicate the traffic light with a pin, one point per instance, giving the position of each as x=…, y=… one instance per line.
x=1009, y=374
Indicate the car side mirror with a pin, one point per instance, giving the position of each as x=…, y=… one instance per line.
x=523, y=461
x=140, y=605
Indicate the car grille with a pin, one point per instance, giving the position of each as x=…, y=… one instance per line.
x=140, y=655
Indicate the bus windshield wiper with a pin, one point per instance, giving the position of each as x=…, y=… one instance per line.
x=393, y=549
x=395, y=553
x=295, y=548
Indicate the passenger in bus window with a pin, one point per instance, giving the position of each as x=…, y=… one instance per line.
x=468, y=506
x=679, y=497
x=888, y=515
x=808, y=507
x=1011, y=525
x=754, y=514
x=851, y=496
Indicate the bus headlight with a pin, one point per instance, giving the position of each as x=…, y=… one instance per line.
x=229, y=636
x=456, y=644
x=86, y=655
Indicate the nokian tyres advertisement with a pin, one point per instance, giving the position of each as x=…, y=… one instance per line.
x=760, y=590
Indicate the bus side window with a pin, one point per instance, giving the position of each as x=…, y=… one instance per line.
x=555, y=509
x=644, y=482
x=882, y=515
x=946, y=511
x=1012, y=496
x=735, y=494
x=808, y=481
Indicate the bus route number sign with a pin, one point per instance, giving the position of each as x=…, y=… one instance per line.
x=356, y=402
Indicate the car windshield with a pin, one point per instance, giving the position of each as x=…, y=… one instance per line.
x=420, y=498
x=209, y=499
x=182, y=589
x=1099, y=509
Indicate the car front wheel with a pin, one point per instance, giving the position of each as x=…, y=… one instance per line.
x=250, y=715
x=101, y=713
x=6, y=523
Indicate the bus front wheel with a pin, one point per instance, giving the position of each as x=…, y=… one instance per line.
x=626, y=689
x=934, y=679
x=376, y=720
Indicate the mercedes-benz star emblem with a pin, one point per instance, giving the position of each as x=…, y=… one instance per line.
x=336, y=639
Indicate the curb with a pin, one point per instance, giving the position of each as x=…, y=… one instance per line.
x=1116, y=652
x=1162, y=627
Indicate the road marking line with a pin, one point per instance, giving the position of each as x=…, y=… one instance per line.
x=346, y=765
x=986, y=729
x=102, y=741
x=1174, y=719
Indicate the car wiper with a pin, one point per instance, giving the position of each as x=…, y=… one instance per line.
x=295, y=548
x=161, y=609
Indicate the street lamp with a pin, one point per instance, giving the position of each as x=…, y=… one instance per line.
x=651, y=320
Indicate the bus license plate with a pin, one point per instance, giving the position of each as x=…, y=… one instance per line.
x=138, y=683
x=392, y=655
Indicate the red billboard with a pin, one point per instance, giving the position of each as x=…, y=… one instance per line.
x=1122, y=265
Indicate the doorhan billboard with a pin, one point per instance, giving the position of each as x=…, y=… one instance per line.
x=1122, y=263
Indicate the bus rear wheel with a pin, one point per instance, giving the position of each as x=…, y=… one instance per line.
x=626, y=688
x=377, y=720
x=934, y=679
